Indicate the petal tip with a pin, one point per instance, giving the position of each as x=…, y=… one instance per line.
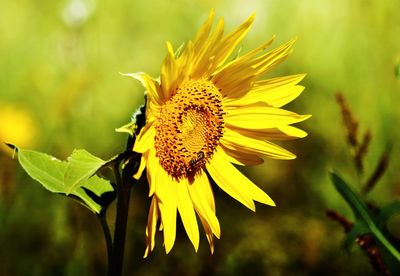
x=212, y=14
x=307, y=116
x=253, y=15
x=146, y=253
x=137, y=176
x=168, y=249
x=250, y=20
x=293, y=156
x=294, y=39
x=170, y=48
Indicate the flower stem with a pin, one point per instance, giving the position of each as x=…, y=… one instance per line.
x=107, y=234
x=123, y=196
x=124, y=168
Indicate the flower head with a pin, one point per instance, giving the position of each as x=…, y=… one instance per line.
x=204, y=114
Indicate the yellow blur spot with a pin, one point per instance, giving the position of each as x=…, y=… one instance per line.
x=17, y=126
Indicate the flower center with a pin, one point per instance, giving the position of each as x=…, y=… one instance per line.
x=189, y=128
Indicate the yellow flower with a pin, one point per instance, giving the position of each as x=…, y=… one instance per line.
x=204, y=114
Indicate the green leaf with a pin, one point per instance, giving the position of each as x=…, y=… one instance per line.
x=97, y=186
x=81, y=166
x=362, y=213
x=46, y=169
x=50, y=172
x=358, y=206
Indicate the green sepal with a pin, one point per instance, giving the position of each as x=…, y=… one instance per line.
x=129, y=128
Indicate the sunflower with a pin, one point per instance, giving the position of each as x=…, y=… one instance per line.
x=205, y=114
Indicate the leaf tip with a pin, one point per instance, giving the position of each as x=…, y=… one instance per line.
x=14, y=148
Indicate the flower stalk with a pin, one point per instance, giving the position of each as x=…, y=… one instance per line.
x=107, y=234
x=123, y=187
x=124, y=167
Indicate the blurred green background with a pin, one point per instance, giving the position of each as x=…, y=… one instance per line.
x=60, y=89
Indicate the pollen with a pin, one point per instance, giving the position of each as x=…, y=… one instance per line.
x=189, y=128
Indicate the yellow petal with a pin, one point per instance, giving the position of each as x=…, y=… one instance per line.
x=261, y=117
x=152, y=111
x=152, y=167
x=217, y=169
x=174, y=71
x=151, y=86
x=279, y=133
x=168, y=216
x=204, y=31
x=169, y=72
x=269, y=60
x=236, y=77
x=167, y=204
x=272, y=83
x=211, y=52
x=235, y=141
x=240, y=62
x=141, y=168
x=229, y=42
x=209, y=233
x=278, y=97
x=203, y=200
x=145, y=139
x=151, y=227
x=240, y=158
x=204, y=59
x=233, y=178
x=271, y=93
x=291, y=131
x=186, y=211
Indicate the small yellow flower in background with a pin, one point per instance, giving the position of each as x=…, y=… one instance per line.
x=203, y=115
x=16, y=126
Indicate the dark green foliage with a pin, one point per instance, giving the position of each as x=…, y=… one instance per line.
x=368, y=223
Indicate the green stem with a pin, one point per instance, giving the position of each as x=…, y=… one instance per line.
x=123, y=196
